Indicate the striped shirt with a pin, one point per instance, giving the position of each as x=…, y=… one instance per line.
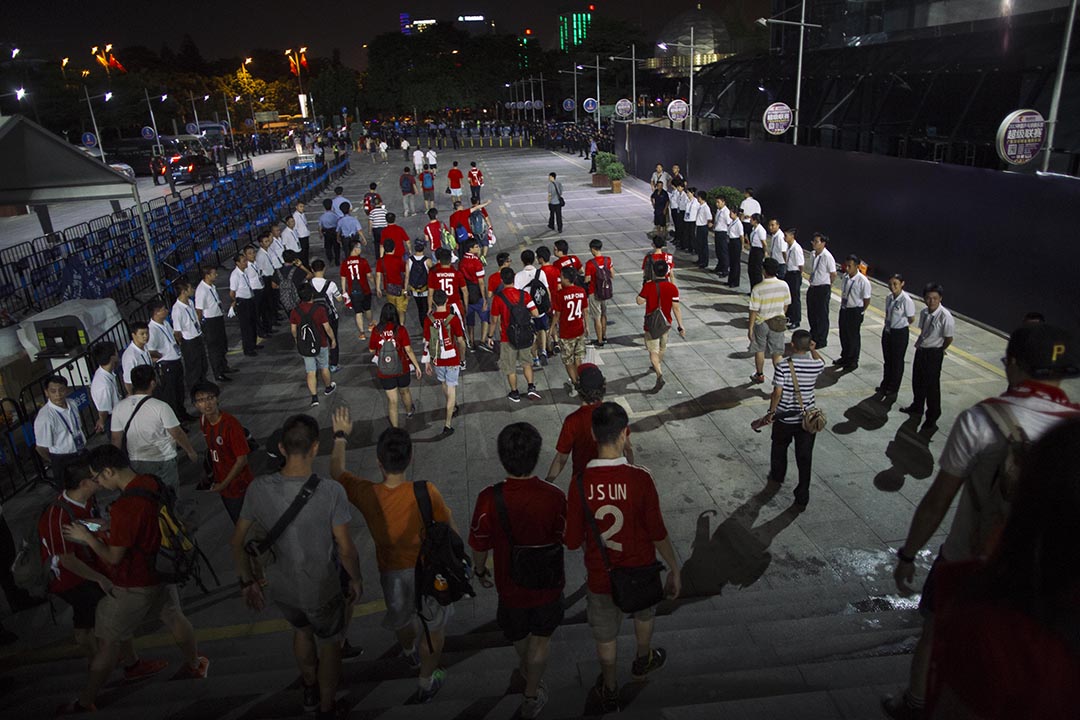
x=769, y=298
x=378, y=217
x=807, y=370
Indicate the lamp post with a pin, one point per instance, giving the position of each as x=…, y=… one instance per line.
x=295, y=56
x=633, y=82
x=802, y=25
x=228, y=115
x=575, y=73
x=1055, y=97
x=153, y=120
x=598, y=68
x=93, y=119
x=664, y=46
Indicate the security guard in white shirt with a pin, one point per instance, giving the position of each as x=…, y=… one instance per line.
x=289, y=239
x=212, y=315
x=854, y=299
x=822, y=275
x=777, y=248
x=186, y=325
x=303, y=234
x=686, y=242
x=899, y=312
x=757, y=239
x=243, y=303
x=135, y=353
x=734, y=248
x=264, y=264
x=164, y=345
x=794, y=258
x=104, y=388
x=58, y=430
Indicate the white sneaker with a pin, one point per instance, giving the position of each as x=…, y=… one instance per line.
x=572, y=390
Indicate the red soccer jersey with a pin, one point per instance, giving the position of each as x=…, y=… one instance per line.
x=450, y=281
x=591, y=268
x=623, y=500
x=653, y=257
x=570, y=303
x=551, y=272
x=667, y=297
x=476, y=178
x=318, y=317
x=493, y=283
x=448, y=329
x=392, y=268
x=433, y=234
x=225, y=444
x=576, y=438
x=354, y=274
x=561, y=262
x=459, y=218
x=391, y=333
x=54, y=544
x=472, y=270
x=498, y=307
x=536, y=511
x=401, y=238
x=134, y=527
x=454, y=177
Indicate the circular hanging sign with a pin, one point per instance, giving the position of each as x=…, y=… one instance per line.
x=192, y=129
x=624, y=108
x=1020, y=136
x=777, y=118
x=568, y=104
x=529, y=105
x=590, y=105
x=678, y=110
x=148, y=133
x=89, y=139
x=249, y=122
x=520, y=105
x=508, y=104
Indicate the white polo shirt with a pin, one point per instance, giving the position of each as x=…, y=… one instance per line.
x=163, y=341
x=898, y=308
x=720, y=220
x=185, y=320
x=208, y=301
x=934, y=327
x=148, y=437
x=301, y=224
x=854, y=290
x=289, y=239
x=59, y=430
x=264, y=263
x=240, y=284
x=704, y=215
x=778, y=247
x=795, y=257
x=824, y=267
x=132, y=357
x=750, y=206
x=758, y=237
x=253, y=277
x=104, y=390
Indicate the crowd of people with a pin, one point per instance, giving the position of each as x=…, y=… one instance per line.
x=548, y=303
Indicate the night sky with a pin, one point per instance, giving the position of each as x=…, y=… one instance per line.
x=55, y=29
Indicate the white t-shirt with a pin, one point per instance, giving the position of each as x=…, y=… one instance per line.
x=208, y=300
x=525, y=276
x=777, y=247
x=240, y=284
x=59, y=430
x=163, y=341
x=104, y=390
x=750, y=206
x=134, y=356
x=432, y=158
x=148, y=437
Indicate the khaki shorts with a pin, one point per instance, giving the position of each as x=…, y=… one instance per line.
x=597, y=307
x=767, y=341
x=121, y=614
x=605, y=617
x=573, y=350
x=401, y=302
x=510, y=358
x=657, y=345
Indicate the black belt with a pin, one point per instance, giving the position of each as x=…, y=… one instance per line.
x=164, y=363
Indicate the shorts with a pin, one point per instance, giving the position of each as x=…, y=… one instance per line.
x=399, y=594
x=361, y=302
x=519, y=623
x=319, y=362
x=597, y=307
x=541, y=323
x=120, y=615
x=510, y=358
x=401, y=302
x=83, y=599
x=767, y=341
x=656, y=345
x=398, y=381
x=429, y=196
x=327, y=622
x=473, y=311
x=448, y=374
x=605, y=617
x=455, y=192
x=572, y=350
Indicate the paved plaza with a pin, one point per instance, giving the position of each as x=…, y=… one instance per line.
x=787, y=615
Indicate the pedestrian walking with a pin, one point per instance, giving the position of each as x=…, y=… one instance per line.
x=313, y=336
x=555, y=203
x=227, y=449
x=392, y=348
x=661, y=300
x=767, y=321
x=512, y=311
x=407, y=184
x=444, y=352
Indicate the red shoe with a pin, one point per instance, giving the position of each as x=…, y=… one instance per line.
x=194, y=673
x=74, y=708
x=144, y=669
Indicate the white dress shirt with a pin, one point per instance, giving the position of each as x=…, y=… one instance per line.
x=301, y=229
x=239, y=284
x=758, y=237
x=703, y=216
x=134, y=356
x=750, y=206
x=104, y=390
x=795, y=257
x=208, y=301
x=899, y=310
x=185, y=320
x=253, y=277
x=59, y=430
x=289, y=240
x=163, y=341
x=854, y=291
x=734, y=228
x=264, y=263
x=824, y=267
x=934, y=327
x=778, y=247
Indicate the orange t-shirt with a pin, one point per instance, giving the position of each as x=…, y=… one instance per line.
x=393, y=518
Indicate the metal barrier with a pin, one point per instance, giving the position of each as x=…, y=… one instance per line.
x=20, y=465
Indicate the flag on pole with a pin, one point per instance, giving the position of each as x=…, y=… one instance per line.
x=115, y=64
x=303, y=60
x=293, y=68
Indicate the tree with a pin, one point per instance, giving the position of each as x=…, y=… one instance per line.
x=335, y=87
x=189, y=59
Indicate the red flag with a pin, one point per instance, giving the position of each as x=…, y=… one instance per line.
x=292, y=65
x=303, y=60
x=102, y=59
x=115, y=64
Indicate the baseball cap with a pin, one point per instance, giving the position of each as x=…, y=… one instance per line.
x=1043, y=351
x=590, y=377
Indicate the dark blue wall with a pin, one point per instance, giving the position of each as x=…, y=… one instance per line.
x=1002, y=244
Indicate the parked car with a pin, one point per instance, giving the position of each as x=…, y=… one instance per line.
x=192, y=168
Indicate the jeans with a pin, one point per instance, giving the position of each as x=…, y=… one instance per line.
x=782, y=435
x=817, y=313
x=850, y=322
x=409, y=203
x=555, y=216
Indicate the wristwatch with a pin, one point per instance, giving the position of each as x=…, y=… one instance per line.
x=340, y=435
x=904, y=558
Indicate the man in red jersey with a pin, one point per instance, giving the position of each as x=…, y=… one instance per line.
x=569, y=302
x=444, y=352
x=459, y=218
x=563, y=257
x=227, y=448
x=551, y=272
x=449, y=279
x=476, y=181
x=625, y=510
x=575, y=439
x=390, y=279
x=477, y=295
x=523, y=510
x=454, y=178
x=394, y=232
x=433, y=231
x=599, y=276
x=356, y=281
x=511, y=357
x=660, y=293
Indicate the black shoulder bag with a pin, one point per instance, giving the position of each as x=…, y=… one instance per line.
x=261, y=549
x=632, y=588
x=536, y=567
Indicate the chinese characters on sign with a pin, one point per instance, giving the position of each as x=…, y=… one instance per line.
x=777, y=118
x=1021, y=136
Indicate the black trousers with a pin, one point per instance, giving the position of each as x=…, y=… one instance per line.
x=474, y=192
x=701, y=245
x=734, y=249
x=686, y=231
x=753, y=265
x=264, y=309
x=893, y=348
x=17, y=598
x=171, y=389
x=817, y=313
x=217, y=344
x=720, y=245
x=794, y=283
x=376, y=240
x=305, y=250
x=782, y=435
x=926, y=381
x=194, y=353
x=555, y=216
x=248, y=316
x=421, y=302
x=850, y=322
x=331, y=247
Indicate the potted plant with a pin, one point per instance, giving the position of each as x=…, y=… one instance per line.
x=603, y=160
x=616, y=172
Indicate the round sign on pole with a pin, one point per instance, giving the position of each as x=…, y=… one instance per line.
x=192, y=129
x=508, y=104
x=777, y=118
x=148, y=133
x=89, y=139
x=568, y=104
x=249, y=122
x=678, y=110
x=624, y=108
x=520, y=105
x=590, y=105
x=529, y=105
x=1020, y=136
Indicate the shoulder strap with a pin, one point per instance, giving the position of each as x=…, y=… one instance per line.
x=592, y=522
x=423, y=501
x=504, y=516
x=795, y=383
x=138, y=405
x=1004, y=420
x=290, y=513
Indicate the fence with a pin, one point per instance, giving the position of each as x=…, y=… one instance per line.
x=186, y=231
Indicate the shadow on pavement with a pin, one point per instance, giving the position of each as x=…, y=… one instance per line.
x=910, y=455
x=869, y=414
x=719, y=399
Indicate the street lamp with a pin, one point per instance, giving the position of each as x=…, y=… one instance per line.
x=153, y=120
x=633, y=83
x=598, y=68
x=664, y=46
x=93, y=118
x=295, y=57
x=14, y=53
x=802, y=25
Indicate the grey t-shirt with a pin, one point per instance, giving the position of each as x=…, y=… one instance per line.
x=554, y=192
x=304, y=573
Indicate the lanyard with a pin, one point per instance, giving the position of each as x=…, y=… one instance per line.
x=77, y=439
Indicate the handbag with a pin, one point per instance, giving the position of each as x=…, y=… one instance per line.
x=632, y=588
x=777, y=323
x=537, y=567
x=562, y=201
x=813, y=419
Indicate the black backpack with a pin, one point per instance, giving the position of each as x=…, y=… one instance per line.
x=519, y=333
x=443, y=568
x=540, y=294
x=307, y=336
x=602, y=279
x=418, y=274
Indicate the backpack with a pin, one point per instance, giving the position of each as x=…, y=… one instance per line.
x=389, y=359
x=478, y=224
x=540, y=294
x=461, y=234
x=448, y=240
x=323, y=299
x=307, y=337
x=427, y=180
x=372, y=200
x=656, y=325
x=993, y=508
x=443, y=568
x=418, y=275
x=602, y=279
x=29, y=570
x=520, y=333
x=406, y=183
x=177, y=560
x=647, y=272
